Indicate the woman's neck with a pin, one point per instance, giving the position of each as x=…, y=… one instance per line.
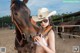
x=45, y=28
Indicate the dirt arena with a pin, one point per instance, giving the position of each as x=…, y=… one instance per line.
x=67, y=45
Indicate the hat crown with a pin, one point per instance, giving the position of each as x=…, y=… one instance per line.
x=42, y=13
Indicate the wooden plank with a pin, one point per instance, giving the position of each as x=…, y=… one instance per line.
x=68, y=34
x=68, y=26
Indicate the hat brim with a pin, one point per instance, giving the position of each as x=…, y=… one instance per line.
x=36, y=19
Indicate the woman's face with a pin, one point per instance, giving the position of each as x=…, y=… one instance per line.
x=45, y=23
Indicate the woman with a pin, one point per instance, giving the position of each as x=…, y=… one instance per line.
x=45, y=43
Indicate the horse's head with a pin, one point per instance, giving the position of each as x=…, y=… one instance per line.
x=21, y=18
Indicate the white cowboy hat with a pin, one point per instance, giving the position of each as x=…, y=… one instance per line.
x=43, y=13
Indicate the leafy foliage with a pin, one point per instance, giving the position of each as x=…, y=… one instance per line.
x=5, y=21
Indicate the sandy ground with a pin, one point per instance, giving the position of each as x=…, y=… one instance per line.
x=62, y=46
x=7, y=40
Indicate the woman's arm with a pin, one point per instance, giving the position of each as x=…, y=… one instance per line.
x=51, y=38
x=51, y=46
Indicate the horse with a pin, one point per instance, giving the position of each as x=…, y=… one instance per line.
x=25, y=27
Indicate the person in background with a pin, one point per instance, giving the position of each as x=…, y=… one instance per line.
x=45, y=43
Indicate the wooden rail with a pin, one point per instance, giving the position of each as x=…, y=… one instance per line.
x=63, y=27
x=63, y=33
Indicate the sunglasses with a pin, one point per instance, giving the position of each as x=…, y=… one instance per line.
x=45, y=21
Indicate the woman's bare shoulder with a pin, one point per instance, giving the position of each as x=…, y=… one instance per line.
x=51, y=34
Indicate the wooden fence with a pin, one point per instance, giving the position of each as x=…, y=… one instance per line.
x=67, y=26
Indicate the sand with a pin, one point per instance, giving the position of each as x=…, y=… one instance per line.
x=67, y=45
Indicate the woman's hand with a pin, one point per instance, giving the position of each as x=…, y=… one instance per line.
x=39, y=40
